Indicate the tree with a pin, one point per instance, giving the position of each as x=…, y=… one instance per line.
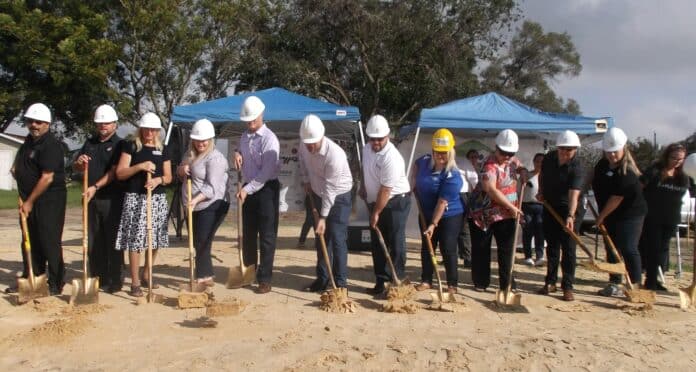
x=644, y=152
x=162, y=44
x=391, y=58
x=533, y=59
x=54, y=53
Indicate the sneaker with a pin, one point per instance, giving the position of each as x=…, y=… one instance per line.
x=540, y=261
x=423, y=286
x=546, y=289
x=610, y=291
x=529, y=262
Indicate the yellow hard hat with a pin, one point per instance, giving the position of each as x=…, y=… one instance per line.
x=443, y=140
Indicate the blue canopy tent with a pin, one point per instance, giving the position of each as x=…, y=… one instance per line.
x=284, y=112
x=487, y=114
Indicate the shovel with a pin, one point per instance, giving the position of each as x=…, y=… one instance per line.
x=687, y=295
x=440, y=298
x=191, y=295
x=85, y=290
x=634, y=295
x=240, y=276
x=594, y=265
x=337, y=298
x=33, y=286
x=507, y=297
x=151, y=296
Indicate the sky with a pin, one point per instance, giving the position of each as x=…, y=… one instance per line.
x=638, y=57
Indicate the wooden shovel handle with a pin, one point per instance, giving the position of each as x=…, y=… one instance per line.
x=570, y=232
x=322, y=242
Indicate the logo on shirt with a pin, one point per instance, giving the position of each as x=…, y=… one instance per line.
x=109, y=149
x=32, y=153
x=157, y=152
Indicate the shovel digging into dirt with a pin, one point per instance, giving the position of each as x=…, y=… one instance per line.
x=399, y=292
x=439, y=299
x=507, y=297
x=634, y=295
x=240, y=276
x=191, y=295
x=33, y=286
x=604, y=267
x=85, y=290
x=687, y=295
x=335, y=300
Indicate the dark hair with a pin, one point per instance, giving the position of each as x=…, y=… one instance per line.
x=538, y=154
x=472, y=151
x=664, y=160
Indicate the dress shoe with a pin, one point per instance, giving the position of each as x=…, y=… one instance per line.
x=376, y=290
x=11, y=289
x=547, y=288
x=316, y=286
x=568, y=295
x=263, y=288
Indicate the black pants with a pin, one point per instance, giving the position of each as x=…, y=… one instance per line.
x=308, y=221
x=444, y=237
x=654, y=244
x=205, y=224
x=533, y=229
x=626, y=234
x=559, y=242
x=392, y=225
x=105, y=261
x=464, y=238
x=504, y=232
x=45, y=224
x=260, y=213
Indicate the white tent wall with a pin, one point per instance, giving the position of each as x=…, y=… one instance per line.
x=528, y=147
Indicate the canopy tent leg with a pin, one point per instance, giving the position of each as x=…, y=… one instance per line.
x=413, y=150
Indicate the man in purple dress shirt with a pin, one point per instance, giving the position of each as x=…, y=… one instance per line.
x=258, y=157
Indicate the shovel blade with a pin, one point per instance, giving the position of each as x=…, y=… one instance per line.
x=192, y=299
x=197, y=288
x=240, y=276
x=27, y=292
x=508, y=298
x=446, y=297
x=640, y=296
x=85, y=292
x=687, y=297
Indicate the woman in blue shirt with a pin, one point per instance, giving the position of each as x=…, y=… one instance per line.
x=437, y=182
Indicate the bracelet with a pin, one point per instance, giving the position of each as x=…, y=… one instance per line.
x=96, y=187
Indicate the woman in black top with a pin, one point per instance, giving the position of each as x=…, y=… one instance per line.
x=619, y=196
x=664, y=186
x=145, y=154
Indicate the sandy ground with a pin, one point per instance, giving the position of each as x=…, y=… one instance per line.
x=286, y=330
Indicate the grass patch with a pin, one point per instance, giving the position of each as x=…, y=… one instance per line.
x=8, y=198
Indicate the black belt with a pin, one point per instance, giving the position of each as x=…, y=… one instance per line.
x=404, y=195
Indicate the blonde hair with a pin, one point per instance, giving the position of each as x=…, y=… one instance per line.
x=193, y=156
x=628, y=163
x=451, y=160
x=139, y=142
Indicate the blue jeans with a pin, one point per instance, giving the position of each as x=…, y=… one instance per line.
x=336, y=237
x=626, y=235
x=392, y=225
x=533, y=228
x=260, y=211
x=444, y=237
x=205, y=224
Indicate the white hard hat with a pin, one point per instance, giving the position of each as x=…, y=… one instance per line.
x=507, y=141
x=377, y=127
x=202, y=130
x=38, y=111
x=105, y=114
x=150, y=120
x=251, y=109
x=567, y=138
x=689, y=166
x=614, y=140
x=312, y=129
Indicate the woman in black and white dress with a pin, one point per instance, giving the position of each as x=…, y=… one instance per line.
x=144, y=154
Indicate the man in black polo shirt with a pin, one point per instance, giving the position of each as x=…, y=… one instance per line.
x=560, y=182
x=101, y=153
x=40, y=174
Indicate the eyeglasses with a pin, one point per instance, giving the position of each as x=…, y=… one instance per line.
x=566, y=148
x=376, y=139
x=505, y=153
x=105, y=123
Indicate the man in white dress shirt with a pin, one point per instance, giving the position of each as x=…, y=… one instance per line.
x=387, y=192
x=326, y=175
